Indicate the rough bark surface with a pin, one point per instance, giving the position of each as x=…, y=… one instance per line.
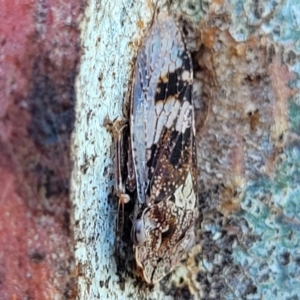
x=246, y=66
x=246, y=69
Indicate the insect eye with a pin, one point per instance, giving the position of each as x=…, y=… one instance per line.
x=138, y=234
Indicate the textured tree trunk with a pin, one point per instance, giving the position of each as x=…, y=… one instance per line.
x=246, y=88
x=245, y=67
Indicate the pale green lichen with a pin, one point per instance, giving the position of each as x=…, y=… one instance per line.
x=272, y=209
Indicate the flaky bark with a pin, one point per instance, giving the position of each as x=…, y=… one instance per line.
x=245, y=63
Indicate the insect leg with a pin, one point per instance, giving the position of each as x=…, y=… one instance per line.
x=119, y=179
x=117, y=127
x=130, y=180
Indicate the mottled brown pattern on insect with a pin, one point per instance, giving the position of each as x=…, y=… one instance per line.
x=162, y=143
x=175, y=161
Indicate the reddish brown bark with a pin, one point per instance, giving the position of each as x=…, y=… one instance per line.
x=38, y=57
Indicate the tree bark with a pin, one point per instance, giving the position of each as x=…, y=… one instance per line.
x=248, y=147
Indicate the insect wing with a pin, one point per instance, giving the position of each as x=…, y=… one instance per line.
x=163, y=147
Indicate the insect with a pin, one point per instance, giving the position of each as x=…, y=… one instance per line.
x=162, y=146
